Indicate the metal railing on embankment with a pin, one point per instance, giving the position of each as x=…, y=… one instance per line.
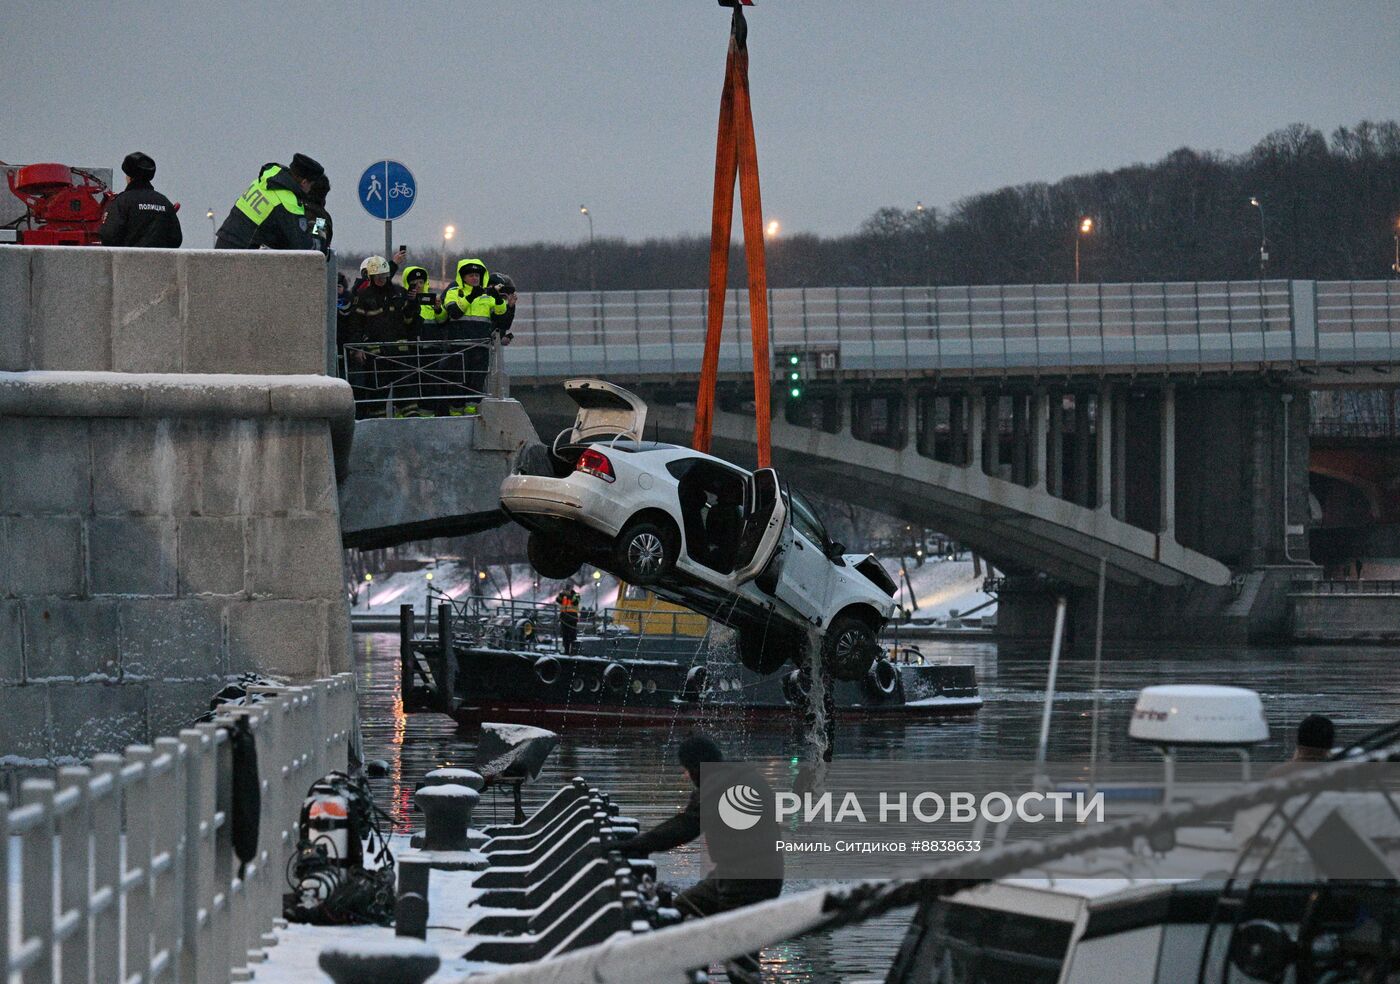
x=430, y=377
x=1344, y=586
x=126, y=867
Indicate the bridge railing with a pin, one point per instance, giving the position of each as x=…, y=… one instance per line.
x=1358, y=321
x=125, y=869
x=1232, y=325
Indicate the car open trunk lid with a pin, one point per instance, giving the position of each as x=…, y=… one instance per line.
x=605, y=412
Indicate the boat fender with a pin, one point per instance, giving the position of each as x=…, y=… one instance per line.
x=615, y=676
x=882, y=677
x=695, y=679
x=546, y=670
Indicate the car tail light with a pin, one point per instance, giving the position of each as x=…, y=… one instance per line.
x=595, y=463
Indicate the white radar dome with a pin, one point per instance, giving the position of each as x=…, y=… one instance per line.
x=1198, y=714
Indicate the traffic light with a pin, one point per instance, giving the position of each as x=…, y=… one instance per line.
x=795, y=382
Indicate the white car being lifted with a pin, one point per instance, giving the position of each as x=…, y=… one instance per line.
x=740, y=547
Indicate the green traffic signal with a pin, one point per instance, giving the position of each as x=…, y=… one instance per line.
x=795, y=392
x=793, y=360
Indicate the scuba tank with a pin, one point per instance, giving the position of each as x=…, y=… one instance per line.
x=342, y=872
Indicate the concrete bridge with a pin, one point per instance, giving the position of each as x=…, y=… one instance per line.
x=1160, y=427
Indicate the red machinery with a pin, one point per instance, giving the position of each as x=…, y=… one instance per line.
x=64, y=205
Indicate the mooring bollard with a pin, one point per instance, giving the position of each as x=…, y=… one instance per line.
x=400, y=961
x=411, y=902
x=454, y=777
x=447, y=812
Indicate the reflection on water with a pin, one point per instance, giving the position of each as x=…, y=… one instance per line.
x=1354, y=686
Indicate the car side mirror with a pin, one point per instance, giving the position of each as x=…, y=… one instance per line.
x=834, y=551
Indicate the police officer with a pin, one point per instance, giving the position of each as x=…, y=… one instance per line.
x=272, y=212
x=567, y=601
x=322, y=229
x=140, y=215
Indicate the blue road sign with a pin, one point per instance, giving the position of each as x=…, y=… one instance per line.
x=387, y=189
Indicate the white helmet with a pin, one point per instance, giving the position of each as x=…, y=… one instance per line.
x=373, y=266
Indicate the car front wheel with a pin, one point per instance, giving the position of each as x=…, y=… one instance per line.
x=849, y=648
x=644, y=553
x=552, y=559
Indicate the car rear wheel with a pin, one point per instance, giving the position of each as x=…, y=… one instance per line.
x=552, y=559
x=849, y=648
x=644, y=552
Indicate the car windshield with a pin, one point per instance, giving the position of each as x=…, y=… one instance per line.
x=806, y=521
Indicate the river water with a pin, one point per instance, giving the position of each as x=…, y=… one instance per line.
x=1355, y=686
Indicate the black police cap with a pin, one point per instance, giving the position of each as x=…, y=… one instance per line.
x=139, y=165
x=306, y=167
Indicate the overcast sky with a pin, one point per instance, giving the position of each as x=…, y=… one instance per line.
x=512, y=114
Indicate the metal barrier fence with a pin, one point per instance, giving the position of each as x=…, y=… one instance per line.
x=1343, y=586
x=1372, y=413
x=125, y=867
x=1032, y=327
x=429, y=375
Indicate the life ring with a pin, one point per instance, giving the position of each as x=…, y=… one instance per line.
x=616, y=676
x=695, y=679
x=547, y=670
x=882, y=679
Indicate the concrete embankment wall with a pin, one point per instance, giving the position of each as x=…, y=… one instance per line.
x=168, y=511
x=1346, y=618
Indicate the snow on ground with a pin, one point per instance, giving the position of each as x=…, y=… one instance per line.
x=938, y=587
x=293, y=959
x=459, y=581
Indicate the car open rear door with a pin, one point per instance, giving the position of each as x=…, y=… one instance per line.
x=605, y=412
x=764, y=521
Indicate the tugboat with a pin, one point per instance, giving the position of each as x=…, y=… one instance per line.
x=643, y=661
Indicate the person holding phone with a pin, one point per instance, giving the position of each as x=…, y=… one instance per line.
x=472, y=305
x=423, y=308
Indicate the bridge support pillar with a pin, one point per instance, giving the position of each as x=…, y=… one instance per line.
x=1120, y=456
x=1082, y=494
x=1103, y=485
x=976, y=429
x=910, y=437
x=1040, y=414
x=991, y=435
x=1167, y=496
x=1055, y=465
x=1021, y=440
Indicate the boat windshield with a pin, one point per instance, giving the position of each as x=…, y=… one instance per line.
x=985, y=946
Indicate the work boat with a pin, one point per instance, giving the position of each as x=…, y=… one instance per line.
x=1248, y=898
x=644, y=660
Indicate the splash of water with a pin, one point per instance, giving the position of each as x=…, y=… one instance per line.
x=817, y=735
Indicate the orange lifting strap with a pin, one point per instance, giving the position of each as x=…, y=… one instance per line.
x=736, y=154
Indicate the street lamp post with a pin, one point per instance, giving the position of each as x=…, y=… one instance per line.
x=1263, y=241
x=1085, y=227
x=213, y=230
x=1396, y=265
x=447, y=233
x=592, y=254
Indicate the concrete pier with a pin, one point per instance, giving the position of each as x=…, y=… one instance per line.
x=169, y=444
